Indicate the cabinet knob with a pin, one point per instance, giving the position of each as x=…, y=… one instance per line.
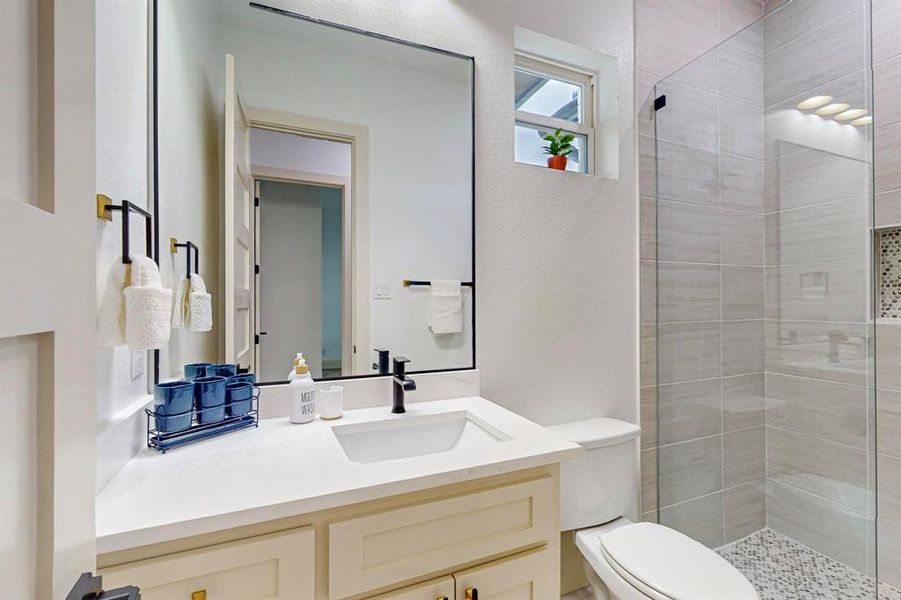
x=200, y=595
x=472, y=594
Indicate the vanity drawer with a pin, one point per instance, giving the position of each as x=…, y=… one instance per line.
x=379, y=550
x=279, y=566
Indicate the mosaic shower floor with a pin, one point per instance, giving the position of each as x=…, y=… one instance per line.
x=783, y=569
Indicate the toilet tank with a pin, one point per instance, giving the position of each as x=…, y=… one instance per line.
x=603, y=485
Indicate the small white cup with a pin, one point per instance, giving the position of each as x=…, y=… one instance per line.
x=331, y=402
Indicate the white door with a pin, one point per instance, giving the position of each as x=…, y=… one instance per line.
x=238, y=216
x=48, y=228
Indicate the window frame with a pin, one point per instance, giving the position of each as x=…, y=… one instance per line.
x=572, y=75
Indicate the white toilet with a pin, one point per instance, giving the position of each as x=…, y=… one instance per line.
x=626, y=560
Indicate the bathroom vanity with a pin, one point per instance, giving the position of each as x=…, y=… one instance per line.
x=457, y=498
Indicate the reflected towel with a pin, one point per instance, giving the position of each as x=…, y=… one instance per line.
x=111, y=316
x=200, y=305
x=445, y=307
x=148, y=307
x=180, y=307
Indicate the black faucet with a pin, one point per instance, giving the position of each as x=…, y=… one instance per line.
x=402, y=384
x=382, y=365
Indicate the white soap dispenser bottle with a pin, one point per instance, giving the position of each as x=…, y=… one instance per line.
x=303, y=394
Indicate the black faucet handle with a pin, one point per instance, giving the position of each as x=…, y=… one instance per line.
x=400, y=366
x=382, y=365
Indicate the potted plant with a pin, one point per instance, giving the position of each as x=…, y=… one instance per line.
x=559, y=147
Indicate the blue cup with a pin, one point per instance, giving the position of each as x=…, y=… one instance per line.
x=195, y=370
x=239, y=398
x=172, y=402
x=223, y=370
x=209, y=398
x=243, y=377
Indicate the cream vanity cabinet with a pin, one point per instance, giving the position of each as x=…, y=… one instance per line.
x=490, y=538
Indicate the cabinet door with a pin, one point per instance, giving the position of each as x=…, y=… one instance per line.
x=436, y=589
x=270, y=567
x=532, y=575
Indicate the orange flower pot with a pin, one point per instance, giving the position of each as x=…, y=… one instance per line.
x=556, y=162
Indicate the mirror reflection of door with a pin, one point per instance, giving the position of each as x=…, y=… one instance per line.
x=302, y=285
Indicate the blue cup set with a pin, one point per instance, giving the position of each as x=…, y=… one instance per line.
x=209, y=391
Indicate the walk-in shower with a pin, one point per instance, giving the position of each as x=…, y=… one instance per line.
x=765, y=297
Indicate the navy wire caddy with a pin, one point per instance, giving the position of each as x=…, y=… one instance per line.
x=162, y=441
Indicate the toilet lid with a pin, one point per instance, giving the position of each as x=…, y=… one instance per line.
x=673, y=565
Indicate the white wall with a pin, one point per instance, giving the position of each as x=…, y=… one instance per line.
x=121, y=130
x=556, y=253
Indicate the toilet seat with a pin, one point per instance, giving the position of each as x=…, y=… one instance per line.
x=662, y=564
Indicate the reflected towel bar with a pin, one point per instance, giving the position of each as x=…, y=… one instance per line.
x=174, y=245
x=105, y=208
x=412, y=282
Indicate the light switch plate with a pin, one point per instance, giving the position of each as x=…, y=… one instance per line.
x=381, y=290
x=137, y=364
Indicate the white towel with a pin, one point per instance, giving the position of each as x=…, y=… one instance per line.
x=445, y=307
x=200, y=305
x=180, y=307
x=148, y=307
x=111, y=316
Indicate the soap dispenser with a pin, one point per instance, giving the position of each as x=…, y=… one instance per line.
x=303, y=394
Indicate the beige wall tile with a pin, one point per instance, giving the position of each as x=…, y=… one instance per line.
x=888, y=209
x=887, y=158
x=741, y=129
x=827, y=527
x=821, y=467
x=819, y=56
x=688, y=232
x=741, y=184
x=889, y=540
x=743, y=401
x=827, y=410
x=887, y=91
x=815, y=234
x=889, y=491
x=744, y=510
x=689, y=469
x=689, y=117
x=835, y=291
x=648, y=417
x=701, y=519
x=744, y=457
x=829, y=351
x=689, y=351
x=649, y=480
x=886, y=25
x=888, y=355
x=743, y=292
x=742, y=238
x=687, y=174
x=888, y=421
x=686, y=411
x=687, y=292
x=743, y=347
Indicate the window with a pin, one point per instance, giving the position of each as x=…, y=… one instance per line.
x=548, y=97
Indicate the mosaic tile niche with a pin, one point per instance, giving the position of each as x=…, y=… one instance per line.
x=890, y=274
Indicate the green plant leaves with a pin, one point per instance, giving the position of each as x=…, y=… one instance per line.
x=560, y=145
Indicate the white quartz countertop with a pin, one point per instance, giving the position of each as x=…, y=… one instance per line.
x=280, y=470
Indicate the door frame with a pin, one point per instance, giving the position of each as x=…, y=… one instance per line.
x=355, y=337
x=262, y=173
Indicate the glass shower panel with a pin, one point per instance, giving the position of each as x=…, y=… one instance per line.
x=764, y=279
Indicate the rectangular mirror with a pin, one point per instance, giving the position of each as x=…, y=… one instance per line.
x=319, y=180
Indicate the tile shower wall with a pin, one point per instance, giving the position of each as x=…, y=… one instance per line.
x=887, y=159
x=818, y=343
x=711, y=271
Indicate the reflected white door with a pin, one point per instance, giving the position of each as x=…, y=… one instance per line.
x=238, y=216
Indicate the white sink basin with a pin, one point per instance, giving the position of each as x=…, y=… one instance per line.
x=409, y=436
